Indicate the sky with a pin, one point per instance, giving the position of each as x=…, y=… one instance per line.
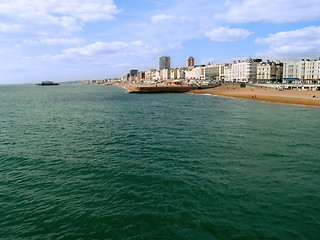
x=96, y=39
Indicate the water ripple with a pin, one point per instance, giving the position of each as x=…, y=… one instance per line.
x=94, y=162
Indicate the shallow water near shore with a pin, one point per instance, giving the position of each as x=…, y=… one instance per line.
x=94, y=162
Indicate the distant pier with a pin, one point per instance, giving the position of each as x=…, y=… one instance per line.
x=47, y=83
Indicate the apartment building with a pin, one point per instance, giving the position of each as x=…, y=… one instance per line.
x=165, y=74
x=141, y=76
x=189, y=62
x=164, y=62
x=303, y=71
x=181, y=73
x=215, y=72
x=269, y=72
x=173, y=73
x=196, y=73
x=151, y=74
x=242, y=71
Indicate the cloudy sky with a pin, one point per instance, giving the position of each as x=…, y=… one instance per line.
x=95, y=39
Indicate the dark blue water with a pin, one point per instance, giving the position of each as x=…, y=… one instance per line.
x=94, y=162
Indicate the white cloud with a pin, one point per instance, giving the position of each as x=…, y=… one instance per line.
x=10, y=27
x=87, y=10
x=225, y=34
x=62, y=41
x=271, y=11
x=162, y=17
x=54, y=41
x=101, y=51
x=30, y=42
x=53, y=16
x=304, y=42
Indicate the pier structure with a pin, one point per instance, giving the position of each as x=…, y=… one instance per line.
x=169, y=89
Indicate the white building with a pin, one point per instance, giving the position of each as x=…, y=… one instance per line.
x=165, y=74
x=173, y=73
x=242, y=71
x=292, y=72
x=181, y=73
x=228, y=73
x=157, y=77
x=303, y=71
x=196, y=73
x=151, y=74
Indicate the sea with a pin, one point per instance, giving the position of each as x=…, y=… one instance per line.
x=95, y=162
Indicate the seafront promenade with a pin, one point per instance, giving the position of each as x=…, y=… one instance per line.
x=256, y=93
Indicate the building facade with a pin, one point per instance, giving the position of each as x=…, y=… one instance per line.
x=133, y=72
x=269, y=72
x=303, y=71
x=164, y=62
x=151, y=74
x=196, y=73
x=242, y=71
x=190, y=62
x=215, y=72
x=165, y=74
x=141, y=76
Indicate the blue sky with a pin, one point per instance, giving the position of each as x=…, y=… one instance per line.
x=95, y=39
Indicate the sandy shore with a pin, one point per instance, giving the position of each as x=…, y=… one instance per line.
x=252, y=93
x=265, y=94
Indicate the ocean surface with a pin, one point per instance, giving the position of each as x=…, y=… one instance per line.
x=94, y=162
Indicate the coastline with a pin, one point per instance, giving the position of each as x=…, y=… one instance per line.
x=299, y=97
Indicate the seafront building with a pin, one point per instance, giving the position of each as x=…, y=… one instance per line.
x=304, y=71
x=133, y=72
x=141, y=76
x=132, y=75
x=293, y=71
x=165, y=74
x=157, y=77
x=215, y=72
x=303, y=74
x=181, y=73
x=242, y=71
x=151, y=74
x=196, y=73
x=190, y=62
x=164, y=62
x=173, y=73
x=269, y=72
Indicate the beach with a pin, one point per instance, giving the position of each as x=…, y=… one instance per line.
x=301, y=97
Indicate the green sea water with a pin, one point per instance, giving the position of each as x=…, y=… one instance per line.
x=94, y=162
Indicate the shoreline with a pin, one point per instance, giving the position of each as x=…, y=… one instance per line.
x=298, y=97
